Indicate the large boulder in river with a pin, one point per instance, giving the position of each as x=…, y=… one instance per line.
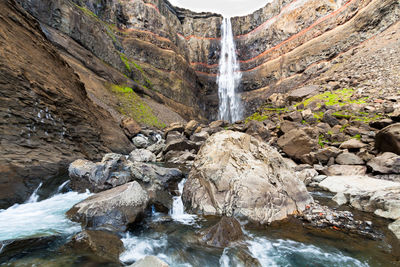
x=388, y=139
x=111, y=210
x=234, y=174
x=223, y=234
x=101, y=243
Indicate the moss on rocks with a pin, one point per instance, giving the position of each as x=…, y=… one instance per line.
x=133, y=106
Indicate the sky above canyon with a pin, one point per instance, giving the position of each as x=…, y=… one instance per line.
x=228, y=8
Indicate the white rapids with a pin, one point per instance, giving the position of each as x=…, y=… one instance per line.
x=43, y=218
x=229, y=76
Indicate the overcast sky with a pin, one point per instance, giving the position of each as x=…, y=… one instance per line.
x=229, y=8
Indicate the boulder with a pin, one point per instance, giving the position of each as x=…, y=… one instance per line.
x=329, y=119
x=223, y=234
x=149, y=261
x=111, y=210
x=110, y=172
x=257, y=130
x=234, y=174
x=190, y=127
x=337, y=170
x=199, y=137
x=115, y=170
x=296, y=143
x=157, y=147
x=340, y=198
x=142, y=155
x=303, y=92
x=176, y=126
x=130, y=127
x=352, y=144
x=140, y=141
x=178, y=142
x=387, y=163
x=367, y=194
x=347, y=158
x=180, y=157
x=388, y=139
x=395, y=228
x=101, y=243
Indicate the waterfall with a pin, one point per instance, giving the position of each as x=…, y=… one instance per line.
x=34, y=197
x=228, y=76
x=178, y=210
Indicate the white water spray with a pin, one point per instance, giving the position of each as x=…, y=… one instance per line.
x=34, y=197
x=178, y=210
x=228, y=76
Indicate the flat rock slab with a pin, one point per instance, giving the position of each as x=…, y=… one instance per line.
x=356, y=184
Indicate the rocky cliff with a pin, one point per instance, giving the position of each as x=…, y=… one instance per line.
x=174, y=52
x=47, y=119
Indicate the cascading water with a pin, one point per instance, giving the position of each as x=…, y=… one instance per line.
x=229, y=76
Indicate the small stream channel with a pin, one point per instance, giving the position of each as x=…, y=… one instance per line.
x=173, y=238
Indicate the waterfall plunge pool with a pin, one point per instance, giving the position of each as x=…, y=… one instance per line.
x=173, y=238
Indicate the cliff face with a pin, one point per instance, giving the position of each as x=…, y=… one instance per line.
x=175, y=52
x=46, y=117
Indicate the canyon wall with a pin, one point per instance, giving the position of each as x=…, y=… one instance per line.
x=175, y=52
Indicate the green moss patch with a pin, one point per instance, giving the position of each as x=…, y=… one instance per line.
x=133, y=106
x=339, y=97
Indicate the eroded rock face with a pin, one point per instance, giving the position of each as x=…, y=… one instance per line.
x=234, y=174
x=111, y=210
x=46, y=112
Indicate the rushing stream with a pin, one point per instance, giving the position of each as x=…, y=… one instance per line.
x=173, y=238
x=229, y=76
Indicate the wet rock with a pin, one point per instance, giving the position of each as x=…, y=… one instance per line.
x=337, y=170
x=157, y=147
x=111, y=210
x=395, y=228
x=149, y=261
x=260, y=186
x=349, y=159
x=388, y=139
x=352, y=144
x=320, y=216
x=223, y=234
x=387, y=163
x=296, y=143
x=340, y=199
x=142, y=155
x=130, y=127
x=101, y=243
x=10, y=249
x=140, y=141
